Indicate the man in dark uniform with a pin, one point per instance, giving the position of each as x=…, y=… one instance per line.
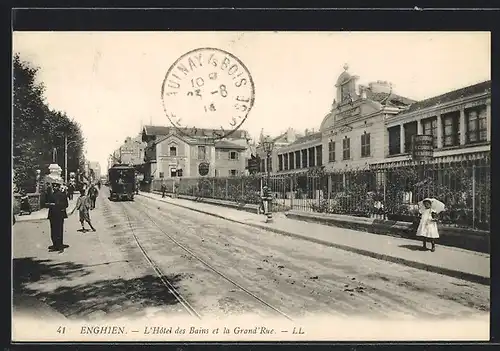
x=57, y=213
x=92, y=193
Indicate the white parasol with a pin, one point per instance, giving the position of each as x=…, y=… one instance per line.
x=436, y=205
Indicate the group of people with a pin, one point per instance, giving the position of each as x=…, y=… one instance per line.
x=58, y=195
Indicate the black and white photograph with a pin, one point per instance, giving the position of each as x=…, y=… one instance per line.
x=251, y=186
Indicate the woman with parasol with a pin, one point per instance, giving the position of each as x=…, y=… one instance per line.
x=427, y=229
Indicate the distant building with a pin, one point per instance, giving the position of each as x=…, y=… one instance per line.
x=279, y=142
x=96, y=170
x=131, y=152
x=170, y=154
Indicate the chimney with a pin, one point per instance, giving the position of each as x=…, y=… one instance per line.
x=290, y=135
x=306, y=132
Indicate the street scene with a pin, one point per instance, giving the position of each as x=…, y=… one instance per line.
x=205, y=185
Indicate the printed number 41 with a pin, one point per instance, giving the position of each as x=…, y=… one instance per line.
x=61, y=330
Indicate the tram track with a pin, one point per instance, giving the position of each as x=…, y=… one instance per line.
x=187, y=306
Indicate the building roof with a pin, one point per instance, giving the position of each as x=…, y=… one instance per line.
x=451, y=96
x=223, y=144
x=304, y=139
x=283, y=138
x=192, y=132
x=156, y=130
x=388, y=98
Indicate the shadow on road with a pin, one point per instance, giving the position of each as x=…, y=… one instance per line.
x=29, y=269
x=103, y=296
x=413, y=247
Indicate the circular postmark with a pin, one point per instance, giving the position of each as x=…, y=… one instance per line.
x=207, y=92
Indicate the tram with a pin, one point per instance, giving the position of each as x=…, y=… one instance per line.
x=121, y=182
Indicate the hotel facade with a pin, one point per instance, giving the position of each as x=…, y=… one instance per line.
x=372, y=126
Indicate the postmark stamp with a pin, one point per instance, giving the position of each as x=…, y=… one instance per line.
x=208, y=88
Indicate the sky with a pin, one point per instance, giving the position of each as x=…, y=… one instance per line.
x=110, y=82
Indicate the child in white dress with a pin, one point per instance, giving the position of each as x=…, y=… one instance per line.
x=427, y=228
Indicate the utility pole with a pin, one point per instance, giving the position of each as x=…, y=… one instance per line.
x=65, y=158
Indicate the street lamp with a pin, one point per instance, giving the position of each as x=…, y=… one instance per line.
x=268, y=145
x=66, y=144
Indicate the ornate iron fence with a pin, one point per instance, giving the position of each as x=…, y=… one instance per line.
x=387, y=193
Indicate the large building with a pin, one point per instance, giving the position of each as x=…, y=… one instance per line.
x=352, y=134
x=170, y=154
x=459, y=121
x=372, y=125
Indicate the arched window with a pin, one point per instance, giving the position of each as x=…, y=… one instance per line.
x=173, y=151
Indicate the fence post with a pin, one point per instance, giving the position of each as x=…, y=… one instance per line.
x=213, y=188
x=242, y=188
x=291, y=192
x=317, y=189
x=329, y=185
x=473, y=196
x=385, y=174
x=227, y=190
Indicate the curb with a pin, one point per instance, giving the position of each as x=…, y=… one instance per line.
x=451, y=237
x=434, y=269
x=31, y=220
x=246, y=208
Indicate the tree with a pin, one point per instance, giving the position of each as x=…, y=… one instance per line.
x=38, y=129
x=28, y=108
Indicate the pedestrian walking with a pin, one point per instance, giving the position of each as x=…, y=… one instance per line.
x=163, y=189
x=427, y=228
x=57, y=214
x=93, y=193
x=83, y=207
x=71, y=190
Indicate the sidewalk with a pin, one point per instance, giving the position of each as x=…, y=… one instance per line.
x=43, y=213
x=89, y=280
x=459, y=263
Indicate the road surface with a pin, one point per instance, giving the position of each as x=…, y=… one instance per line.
x=285, y=275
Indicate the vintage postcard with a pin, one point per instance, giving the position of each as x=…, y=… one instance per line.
x=251, y=186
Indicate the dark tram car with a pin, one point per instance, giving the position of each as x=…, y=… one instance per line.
x=121, y=183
